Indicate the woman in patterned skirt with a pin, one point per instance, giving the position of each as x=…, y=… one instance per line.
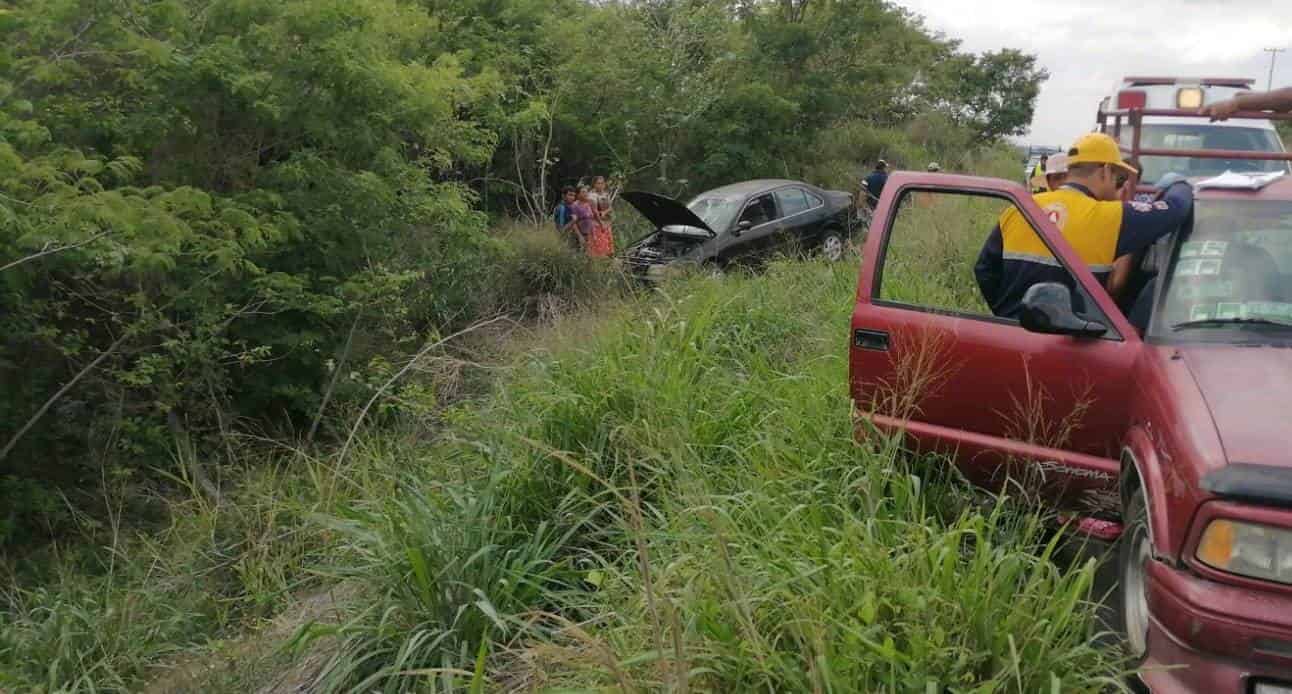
x=601, y=244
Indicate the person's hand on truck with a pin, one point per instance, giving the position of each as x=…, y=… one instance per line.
x=1278, y=100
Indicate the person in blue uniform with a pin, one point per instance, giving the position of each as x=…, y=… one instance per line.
x=1093, y=219
x=874, y=183
x=563, y=218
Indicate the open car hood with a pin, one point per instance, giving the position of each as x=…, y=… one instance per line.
x=663, y=212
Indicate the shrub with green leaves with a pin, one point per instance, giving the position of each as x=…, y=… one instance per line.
x=200, y=201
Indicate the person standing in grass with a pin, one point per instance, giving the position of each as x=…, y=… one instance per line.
x=601, y=244
x=925, y=198
x=563, y=217
x=873, y=185
x=1037, y=179
x=585, y=217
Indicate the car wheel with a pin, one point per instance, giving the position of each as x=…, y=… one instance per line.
x=832, y=246
x=1134, y=551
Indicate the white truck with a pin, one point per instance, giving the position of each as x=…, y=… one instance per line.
x=1161, y=103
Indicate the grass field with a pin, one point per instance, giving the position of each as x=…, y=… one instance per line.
x=662, y=493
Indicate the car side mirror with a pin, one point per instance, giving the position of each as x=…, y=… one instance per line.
x=1047, y=308
x=742, y=226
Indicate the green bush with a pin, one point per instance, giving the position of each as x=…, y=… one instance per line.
x=200, y=205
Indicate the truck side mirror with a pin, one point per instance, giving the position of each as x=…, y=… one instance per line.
x=742, y=226
x=1047, y=308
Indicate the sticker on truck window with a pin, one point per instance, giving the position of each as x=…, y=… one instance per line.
x=1198, y=267
x=1268, y=309
x=1230, y=310
x=1206, y=288
x=1238, y=309
x=1203, y=249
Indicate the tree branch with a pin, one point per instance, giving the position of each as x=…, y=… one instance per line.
x=61, y=391
x=336, y=375
x=47, y=250
x=400, y=374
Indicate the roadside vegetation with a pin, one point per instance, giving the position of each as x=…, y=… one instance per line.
x=667, y=496
x=229, y=220
x=301, y=391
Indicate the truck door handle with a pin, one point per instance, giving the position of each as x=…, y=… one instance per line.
x=876, y=340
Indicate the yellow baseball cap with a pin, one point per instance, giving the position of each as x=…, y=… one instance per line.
x=1097, y=148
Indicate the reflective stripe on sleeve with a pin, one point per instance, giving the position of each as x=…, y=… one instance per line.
x=1050, y=260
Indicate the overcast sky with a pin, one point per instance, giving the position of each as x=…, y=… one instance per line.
x=1088, y=45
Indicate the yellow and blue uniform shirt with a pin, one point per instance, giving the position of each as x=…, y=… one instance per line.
x=1037, y=180
x=1014, y=257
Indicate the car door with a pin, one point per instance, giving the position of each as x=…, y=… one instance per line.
x=802, y=215
x=754, y=230
x=929, y=359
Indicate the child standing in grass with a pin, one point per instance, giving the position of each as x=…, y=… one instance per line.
x=563, y=217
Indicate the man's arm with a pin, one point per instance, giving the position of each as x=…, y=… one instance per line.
x=1145, y=222
x=1277, y=100
x=990, y=269
x=1120, y=276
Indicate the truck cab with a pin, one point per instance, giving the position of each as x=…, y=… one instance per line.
x=1168, y=439
x=1154, y=96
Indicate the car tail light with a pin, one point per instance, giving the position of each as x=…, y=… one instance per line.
x=1247, y=549
x=1131, y=98
x=1189, y=97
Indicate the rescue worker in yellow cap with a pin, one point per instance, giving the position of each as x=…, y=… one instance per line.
x=1037, y=179
x=1091, y=216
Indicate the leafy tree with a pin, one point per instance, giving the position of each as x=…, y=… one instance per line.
x=993, y=94
x=213, y=193
x=210, y=208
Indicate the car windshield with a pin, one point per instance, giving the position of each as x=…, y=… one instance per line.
x=1201, y=136
x=715, y=210
x=1228, y=279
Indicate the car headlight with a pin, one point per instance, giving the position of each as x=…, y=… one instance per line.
x=1248, y=549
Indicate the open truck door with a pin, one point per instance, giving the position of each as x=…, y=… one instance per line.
x=928, y=358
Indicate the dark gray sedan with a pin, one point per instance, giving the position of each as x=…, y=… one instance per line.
x=738, y=223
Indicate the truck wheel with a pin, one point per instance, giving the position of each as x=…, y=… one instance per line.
x=832, y=245
x=1134, y=551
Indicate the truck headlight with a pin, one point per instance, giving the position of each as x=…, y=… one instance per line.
x=1247, y=549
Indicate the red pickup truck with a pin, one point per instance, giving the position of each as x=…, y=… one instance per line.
x=1172, y=438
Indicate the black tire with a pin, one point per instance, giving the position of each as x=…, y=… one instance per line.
x=1129, y=599
x=833, y=245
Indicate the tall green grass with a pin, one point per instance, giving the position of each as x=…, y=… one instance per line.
x=118, y=604
x=668, y=497
x=717, y=526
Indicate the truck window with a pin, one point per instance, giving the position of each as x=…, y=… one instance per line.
x=1201, y=136
x=933, y=247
